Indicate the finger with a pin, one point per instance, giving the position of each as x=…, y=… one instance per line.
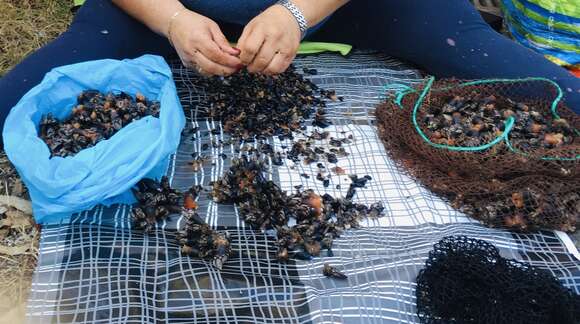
x=279, y=64
x=186, y=60
x=210, y=67
x=245, y=33
x=212, y=51
x=222, y=42
x=251, y=46
x=263, y=58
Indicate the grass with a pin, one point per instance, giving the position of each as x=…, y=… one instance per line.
x=25, y=25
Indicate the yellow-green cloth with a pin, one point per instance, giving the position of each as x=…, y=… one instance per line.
x=564, y=7
x=318, y=47
x=543, y=26
x=321, y=47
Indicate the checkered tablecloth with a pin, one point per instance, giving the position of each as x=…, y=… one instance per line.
x=98, y=270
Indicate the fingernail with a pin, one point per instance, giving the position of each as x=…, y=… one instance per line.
x=237, y=49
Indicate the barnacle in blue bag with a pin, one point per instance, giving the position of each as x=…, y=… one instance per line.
x=95, y=118
x=105, y=172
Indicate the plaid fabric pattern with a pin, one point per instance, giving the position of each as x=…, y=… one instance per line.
x=98, y=270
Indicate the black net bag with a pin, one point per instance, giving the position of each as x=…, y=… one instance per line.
x=506, y=152
x=467, y=281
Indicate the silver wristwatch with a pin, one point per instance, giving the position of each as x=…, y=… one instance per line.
x=302, y=23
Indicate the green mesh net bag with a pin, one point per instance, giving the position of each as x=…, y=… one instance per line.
x=506, y=152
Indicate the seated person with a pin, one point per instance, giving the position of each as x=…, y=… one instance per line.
x=447, y=38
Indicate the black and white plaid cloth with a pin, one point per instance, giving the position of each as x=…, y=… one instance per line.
x=98, y=270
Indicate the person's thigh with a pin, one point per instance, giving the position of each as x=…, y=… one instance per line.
x=100, y=30
x=447, y=38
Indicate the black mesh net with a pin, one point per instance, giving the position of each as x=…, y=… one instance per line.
x=467, y=281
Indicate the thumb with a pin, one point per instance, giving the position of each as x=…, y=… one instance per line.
x=222, y=42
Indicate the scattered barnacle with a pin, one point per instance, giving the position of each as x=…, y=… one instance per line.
x=356, y=182
x=189, y=201
x=200, y=241
x=331, y=272
x=261, y=202
x=338, y=170
x=96, y=117
x=338, y=142
x=156, y=200
x=310, y=71
x=331, y=158
x=359, y=182
x=308, y=152
x=320, y=119
x=263, y=205
x=318, y=136
x=277, y=159
x=199, y=161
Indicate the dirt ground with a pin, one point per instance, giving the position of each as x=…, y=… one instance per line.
x=25, y=25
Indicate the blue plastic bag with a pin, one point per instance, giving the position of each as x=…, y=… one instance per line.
x=102, y=174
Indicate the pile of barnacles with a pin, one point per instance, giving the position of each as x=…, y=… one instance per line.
x=95, y=118
x=262, y=204
x=253, y=105
x=252, y=108
x=157, y=200
x=475, y=120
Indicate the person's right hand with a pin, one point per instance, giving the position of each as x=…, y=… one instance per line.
x=201, y=45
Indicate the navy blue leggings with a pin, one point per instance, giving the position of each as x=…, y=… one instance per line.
x=447, y=38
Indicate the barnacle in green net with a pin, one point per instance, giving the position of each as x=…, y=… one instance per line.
x=481, y=143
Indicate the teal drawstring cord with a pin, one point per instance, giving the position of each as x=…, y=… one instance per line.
x=401, y=90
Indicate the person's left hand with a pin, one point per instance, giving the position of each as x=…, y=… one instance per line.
x=270, y=41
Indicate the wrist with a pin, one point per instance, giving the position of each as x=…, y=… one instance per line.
x=298, y=15
x=169, y=30
x=169, y=17
x=317, y=11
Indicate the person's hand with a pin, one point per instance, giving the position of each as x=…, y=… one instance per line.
x=270, y=41
x=201, y=45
